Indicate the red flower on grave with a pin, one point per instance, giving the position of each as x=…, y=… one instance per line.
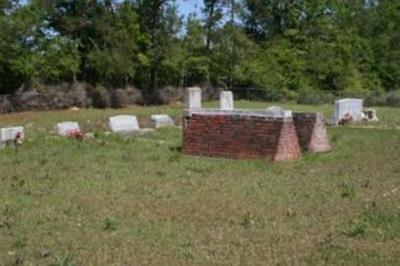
x=77, y=134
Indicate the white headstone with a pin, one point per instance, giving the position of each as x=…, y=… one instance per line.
x=193, y=98
x=124, y=123
x=226, y=100
x=10, y=133
x=161, y=121
x=349, y=106
x=65, y=128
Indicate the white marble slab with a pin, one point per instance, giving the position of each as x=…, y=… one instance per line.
x=161, y=120
x=66, y=127
x=123, y=123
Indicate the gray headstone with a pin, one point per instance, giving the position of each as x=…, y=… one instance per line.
x=123, y=123
x=350, y=106
x=226, y=100
x=65, y=128
x=10, y=133
x=193, y=98
x=161, y=120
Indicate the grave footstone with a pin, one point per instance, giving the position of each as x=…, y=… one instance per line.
x=161, y=120
x=67, y=127
x=10, y=134
x=226, y=100
x=345, y=108
x=193, y=98
x=124, y=124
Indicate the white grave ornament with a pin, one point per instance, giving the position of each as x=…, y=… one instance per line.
x=123, y=123
x=346, y=107
x=162, y=120
x=67, y=127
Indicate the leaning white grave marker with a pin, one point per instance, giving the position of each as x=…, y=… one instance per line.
x=346, y=107
x=67, y=127
x=162, y=120
x=124, y=123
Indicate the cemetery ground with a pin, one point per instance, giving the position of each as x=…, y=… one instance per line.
x=138, y=201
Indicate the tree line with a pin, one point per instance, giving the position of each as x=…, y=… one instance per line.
x=289, y=48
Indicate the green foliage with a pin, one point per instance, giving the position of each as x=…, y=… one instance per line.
x=324, y=47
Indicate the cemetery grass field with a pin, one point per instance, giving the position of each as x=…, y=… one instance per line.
x=139, y=201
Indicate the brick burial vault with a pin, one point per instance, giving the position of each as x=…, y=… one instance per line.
x=273, y=134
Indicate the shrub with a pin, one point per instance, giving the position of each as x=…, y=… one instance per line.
x=170, y=94
x=78, y=95
x=315, y=97
x=119, y=98
x=100, y=97
x=393, y=98
x=6, y=105
x=133, y=95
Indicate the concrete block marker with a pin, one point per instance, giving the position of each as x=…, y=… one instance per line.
x=193, y=98
x=226, y=100
x=348, y=108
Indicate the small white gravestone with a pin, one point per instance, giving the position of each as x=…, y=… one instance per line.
x=65, y=128
x=346, y=107
x=124, y=124
x=10, y=134
x=226, y=100
x=193, y=98
x=162, y=121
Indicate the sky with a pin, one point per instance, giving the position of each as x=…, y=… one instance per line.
x=189, y=6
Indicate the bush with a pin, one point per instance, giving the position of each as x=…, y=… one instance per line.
x=170, y=94
x=393, y=98
x=6, y=105
x=315, y=97
x=100, y=97
x=119, y=98
x=78, y=95
x=375, y=100
x=133, y=95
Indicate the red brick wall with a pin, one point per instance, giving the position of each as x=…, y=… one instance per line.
x=311, y=132
x=240, y=136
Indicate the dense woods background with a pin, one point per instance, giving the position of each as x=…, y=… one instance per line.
x=290, y=49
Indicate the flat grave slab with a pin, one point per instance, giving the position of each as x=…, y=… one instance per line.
x=65, y=128
x=161, y=120
x=124, y=124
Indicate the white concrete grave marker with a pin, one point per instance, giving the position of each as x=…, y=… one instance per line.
x=124, y=123
x=10, y=134
x=193, y=98
x=226, y=100
x=67, y=127
x=348, y=106
x=161, y=120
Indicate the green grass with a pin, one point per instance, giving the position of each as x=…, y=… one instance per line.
x=139, y=201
